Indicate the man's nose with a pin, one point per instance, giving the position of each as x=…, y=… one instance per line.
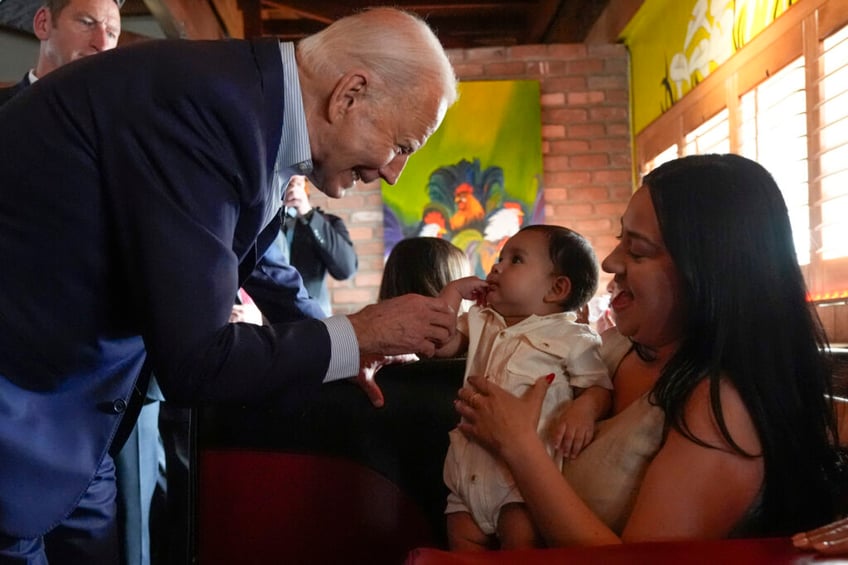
x=391, y=172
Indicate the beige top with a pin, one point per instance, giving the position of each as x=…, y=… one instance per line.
x=607, y=474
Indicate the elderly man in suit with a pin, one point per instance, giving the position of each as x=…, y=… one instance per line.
x=163, y=188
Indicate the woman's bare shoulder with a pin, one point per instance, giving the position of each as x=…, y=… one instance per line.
x=702, y=421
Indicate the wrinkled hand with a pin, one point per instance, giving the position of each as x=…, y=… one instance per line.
x=406, y=324
x=572, y=430
x=830, y=539
x=369, y=365
x=497, y=419
x=247, y=313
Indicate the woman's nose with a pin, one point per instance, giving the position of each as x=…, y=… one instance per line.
x=612, y=263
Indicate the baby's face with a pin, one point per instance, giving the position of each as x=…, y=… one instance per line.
x=523, y=275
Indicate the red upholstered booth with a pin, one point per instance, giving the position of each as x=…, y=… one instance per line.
x=271, y=507
x=332, y=481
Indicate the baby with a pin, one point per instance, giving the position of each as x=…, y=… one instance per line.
x=522, y=327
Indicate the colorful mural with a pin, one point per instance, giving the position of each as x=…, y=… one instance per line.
x=477, y=180
x=675, y=45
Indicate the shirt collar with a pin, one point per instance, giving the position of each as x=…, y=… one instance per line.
x=294, y=157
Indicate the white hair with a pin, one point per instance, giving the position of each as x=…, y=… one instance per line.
x=397, y=46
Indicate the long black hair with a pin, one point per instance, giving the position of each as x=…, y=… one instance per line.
x=726, y=227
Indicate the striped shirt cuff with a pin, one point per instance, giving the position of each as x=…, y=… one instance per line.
x=344, y=349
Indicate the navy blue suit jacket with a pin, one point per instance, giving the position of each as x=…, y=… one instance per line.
x=128, y=242
x=9, y=92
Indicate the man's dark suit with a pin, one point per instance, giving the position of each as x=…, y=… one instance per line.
x=9, y=92
x=128, y=242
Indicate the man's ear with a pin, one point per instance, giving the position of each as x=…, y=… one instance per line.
x=560, y=289
x=42, y=21
x=349, y=91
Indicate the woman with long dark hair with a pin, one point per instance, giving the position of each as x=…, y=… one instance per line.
x=722, y=424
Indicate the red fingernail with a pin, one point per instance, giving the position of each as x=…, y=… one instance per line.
x=550, y=378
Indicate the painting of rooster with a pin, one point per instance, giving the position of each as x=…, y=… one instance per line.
x=478, y=179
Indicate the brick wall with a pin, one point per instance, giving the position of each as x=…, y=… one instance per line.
x=586, y=146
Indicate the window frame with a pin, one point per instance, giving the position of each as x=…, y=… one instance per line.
x=800, y=31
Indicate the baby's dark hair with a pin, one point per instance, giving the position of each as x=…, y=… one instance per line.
x=572, y=256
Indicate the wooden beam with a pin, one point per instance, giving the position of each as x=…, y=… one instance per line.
x=187, y=19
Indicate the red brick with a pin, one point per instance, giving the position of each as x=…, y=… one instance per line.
x=358, y=231
x=586, y=66
x=591, y=97
x=575, y=210
x=357, y=295
x=564, y=84
x=566, y=179
x=590, y=161
x=594, y=226
x=607, y=82
x=565, y=115
x=468, y=71
x=570, y=146
x=546, y=68
x=617, y=176
x=615, y=95
x=611, y=209
x=367, y=279
x=621, y=159
x=610, y=144
x=622, y=192
x=555, y=194
x=616, y=66
x=507, y=69
x=607, y=50
x=607, y=113
x=369, y=247
x=567, y=51
x=606, y=242
x=557, y=163
x=586, y=131
x=553, y=99
x=590, y=194
x=528, y=52
x=552, y=131
x=618, y=129
x=485, y=53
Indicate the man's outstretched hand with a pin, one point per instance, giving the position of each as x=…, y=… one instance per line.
x=406, y=324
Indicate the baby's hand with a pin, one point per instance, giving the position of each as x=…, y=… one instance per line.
x=572, y=430
x=471, y=288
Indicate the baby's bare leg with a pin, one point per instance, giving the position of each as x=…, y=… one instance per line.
x=464, y=534
x=516, y=529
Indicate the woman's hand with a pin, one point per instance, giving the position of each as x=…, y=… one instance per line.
x=498, y=420
x=830, y=539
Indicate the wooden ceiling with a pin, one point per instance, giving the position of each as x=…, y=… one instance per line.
x=458, y=23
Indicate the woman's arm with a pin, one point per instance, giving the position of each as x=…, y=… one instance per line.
x=692, y=491
x=506, y=425
x=689, y=491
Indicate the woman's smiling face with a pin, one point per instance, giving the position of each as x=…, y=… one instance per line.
x=648, y=304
